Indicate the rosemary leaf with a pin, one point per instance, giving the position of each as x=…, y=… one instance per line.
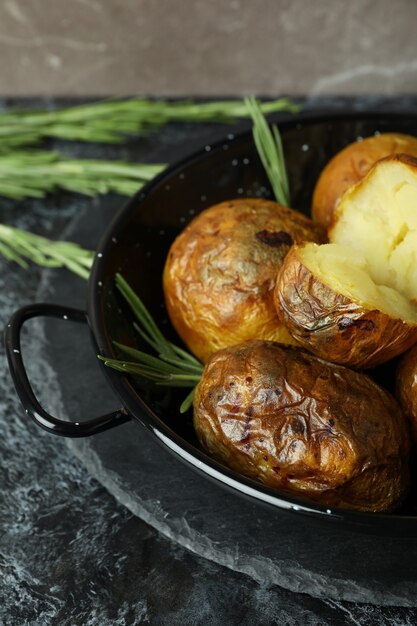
x=155, y=375
x=185, y=365
x=143, y=317
x=145, y=337
x=187, y=402
x=186, y=356
x=146, y=359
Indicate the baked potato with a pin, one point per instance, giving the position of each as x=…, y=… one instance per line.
x=350, y=165
x=406, y=388
x=353, y=301
x=280, y=415
x=220, y=273
x=330, y=305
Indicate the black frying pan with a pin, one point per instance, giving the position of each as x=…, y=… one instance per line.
x=344, y=543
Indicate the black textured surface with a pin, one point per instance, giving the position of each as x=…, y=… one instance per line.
x=69, y=554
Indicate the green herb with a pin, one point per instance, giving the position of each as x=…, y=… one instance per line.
x=111, y=121
x=172, y=367
x=36, y=173
x=269, y=146
x=19, y=245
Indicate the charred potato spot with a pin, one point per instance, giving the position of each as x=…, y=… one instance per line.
x=361, y=324
x=350, y=165
x=220, y=273
x=303, y=439
x=274, y=239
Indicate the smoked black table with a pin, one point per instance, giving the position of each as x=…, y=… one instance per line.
x=70, y=554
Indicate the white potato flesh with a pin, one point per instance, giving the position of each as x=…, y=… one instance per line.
x=350, y=274
x=378, y=220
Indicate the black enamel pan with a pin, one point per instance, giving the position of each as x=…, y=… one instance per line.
x=381, y=547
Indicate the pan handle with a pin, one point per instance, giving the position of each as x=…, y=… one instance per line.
x=24, y=389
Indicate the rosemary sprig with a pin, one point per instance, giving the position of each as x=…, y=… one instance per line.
x=269, y=146
x=20, y=245
x=172, y=367
x=36, y=173
x=111, y=121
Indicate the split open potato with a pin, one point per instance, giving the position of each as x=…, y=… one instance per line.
x=302, y=425
x=350, y=165
x=220, y=273
x=353, y=301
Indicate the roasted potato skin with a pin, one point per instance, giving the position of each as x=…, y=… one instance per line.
x=406, y=388
x=331, y=325
x=280, y=415
x=349, y=166
x=220, y=273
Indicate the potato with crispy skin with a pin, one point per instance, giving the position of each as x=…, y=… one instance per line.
x=350, y=165
x=220, y=273
x=330, y=305
x=299, y=424
x=353, y=301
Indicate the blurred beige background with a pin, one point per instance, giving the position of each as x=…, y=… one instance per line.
x=203, y=47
